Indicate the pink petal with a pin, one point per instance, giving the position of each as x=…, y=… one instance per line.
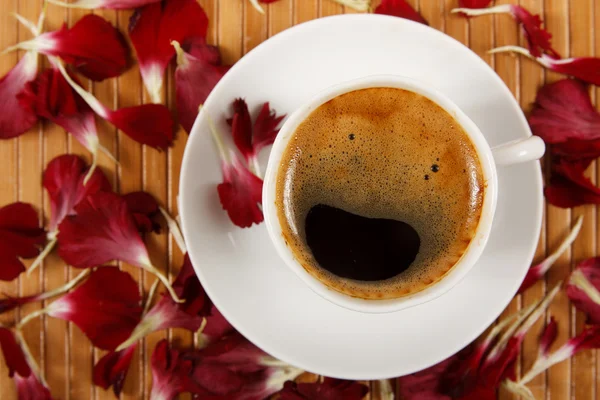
x=106, y=307
x=93, y=46
x=153, y=27
x=563, y=111
x=240, y=194
x=537, y=271
x=171, y=373
x=102, y=230
x=583, y=289
x=399, y=8
x=17, y=118
x=20, y=237
x=63, y=180
x=112, y=369
x=198, y=71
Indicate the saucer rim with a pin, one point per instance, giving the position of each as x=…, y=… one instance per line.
x=185, y=171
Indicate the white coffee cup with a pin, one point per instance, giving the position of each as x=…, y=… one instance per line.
x=518, y=151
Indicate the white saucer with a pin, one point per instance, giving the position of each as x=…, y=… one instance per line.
x=268, y=303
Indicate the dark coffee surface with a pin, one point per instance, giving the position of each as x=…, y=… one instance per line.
x=387, y=155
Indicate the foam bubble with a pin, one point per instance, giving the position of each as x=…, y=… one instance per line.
x=372, y=152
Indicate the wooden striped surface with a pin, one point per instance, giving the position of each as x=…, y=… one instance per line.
x=64, y=353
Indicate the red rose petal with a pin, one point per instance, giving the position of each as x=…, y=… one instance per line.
x=106, y=307
x=563, y=111
x=329, y=389
x=240, y=194
x=153, y=27
x=112, y=369
x=399, y=8
x=145, y=211
x=13, y=355
x=108, y=4
x=583, y=289
x=171, y=373
x=198, y=71
x=474, y=3
x=101, y=230
x=20, y=237
x=63, y=181
x=93, y=46
x=149, y=124
x=17, y=118
x=575, y=149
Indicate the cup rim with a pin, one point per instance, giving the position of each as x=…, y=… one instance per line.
x=473, y=251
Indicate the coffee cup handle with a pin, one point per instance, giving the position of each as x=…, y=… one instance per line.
x=518, y=151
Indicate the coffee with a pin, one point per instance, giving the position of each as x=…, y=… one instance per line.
x=379, y=193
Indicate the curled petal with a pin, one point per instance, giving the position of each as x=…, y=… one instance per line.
x=14, y=358
x=198, y=71
x=17, y=118
x=241, y=128
x=112, y=369
x=539, y=270
x=151, y=30
x=20, y=237
x=547, y=338
x=399, y=8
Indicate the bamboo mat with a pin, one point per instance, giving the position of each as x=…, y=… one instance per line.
x=64, y=353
